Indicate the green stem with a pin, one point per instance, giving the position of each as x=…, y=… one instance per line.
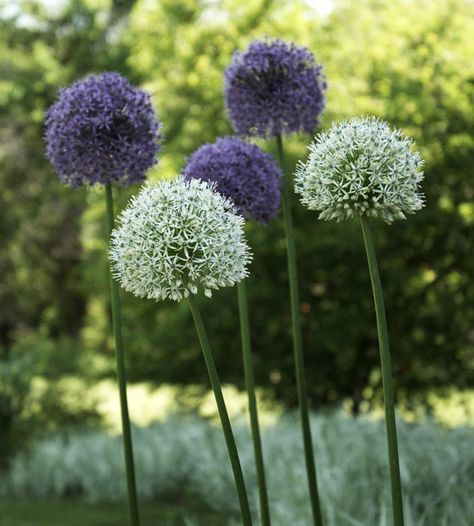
x=226, y=427
x=297, y=343
x=253, y=412
x=397, y=504
x=122, y=379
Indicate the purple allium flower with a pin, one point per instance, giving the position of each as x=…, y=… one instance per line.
x=274, y=88
x=102, y=129
x=241, y=172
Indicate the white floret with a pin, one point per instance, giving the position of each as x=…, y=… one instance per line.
x=361, y=167
x=177, y=238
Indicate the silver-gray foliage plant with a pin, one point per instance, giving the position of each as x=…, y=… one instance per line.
x=189, y=454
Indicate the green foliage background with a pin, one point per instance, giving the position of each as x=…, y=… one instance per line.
x=408, y=61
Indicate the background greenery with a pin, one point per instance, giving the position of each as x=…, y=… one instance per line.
x=408, y=61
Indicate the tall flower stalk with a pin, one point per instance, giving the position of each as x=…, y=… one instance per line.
x=386, y=366
x=252, y=402
x=103, y=130
x=223, y=415
x=250, y=178
x=272, y=89
x=297, y=341
x=362, y=168
x=122, y=376
x=174, y=240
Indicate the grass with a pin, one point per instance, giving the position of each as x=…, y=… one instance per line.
x=14, y=512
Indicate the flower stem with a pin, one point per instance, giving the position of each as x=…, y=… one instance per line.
x=226, y=427
x=297, y=343
x=391, y=427
x=253, y=412
x=122, y=379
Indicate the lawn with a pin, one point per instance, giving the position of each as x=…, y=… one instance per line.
x=72, y=513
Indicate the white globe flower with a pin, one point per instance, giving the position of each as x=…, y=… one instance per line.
x=361, y=167
x=176, y=238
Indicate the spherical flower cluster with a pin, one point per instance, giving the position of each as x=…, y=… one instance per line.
x=243, y=173
x=102, y=129
x=274, y=88
x=176, y=238
x=361, y=167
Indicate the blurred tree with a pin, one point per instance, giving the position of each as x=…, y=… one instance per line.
x=409, y=62
x=41, y=287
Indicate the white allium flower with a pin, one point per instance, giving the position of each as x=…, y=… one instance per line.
x=361, y=167
x=176, y=238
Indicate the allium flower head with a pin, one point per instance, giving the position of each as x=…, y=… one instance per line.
x=361, y=167
x=274, y=88
x=102, y=129
x=242, y=172
x=176, y=238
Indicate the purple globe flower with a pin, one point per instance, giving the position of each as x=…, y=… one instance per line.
x=242, y=172
x=102, y=129
x=274, y=88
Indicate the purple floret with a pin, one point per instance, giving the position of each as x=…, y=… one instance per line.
x=243, y=173
x=274, y=88
x=100, y=130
